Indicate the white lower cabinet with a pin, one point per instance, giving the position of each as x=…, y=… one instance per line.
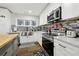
x=59, y=50
x=65, y=49
x=15, y=46
x=12, y=48
x=8, y=52
x=26, y=39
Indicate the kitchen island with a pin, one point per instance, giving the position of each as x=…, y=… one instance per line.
x=8, y=44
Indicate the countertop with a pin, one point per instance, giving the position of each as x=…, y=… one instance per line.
x=72, y=41
x=4, y=39
x=14, y=33
x=48, y=37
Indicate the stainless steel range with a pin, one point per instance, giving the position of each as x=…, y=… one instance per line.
x=48, y=44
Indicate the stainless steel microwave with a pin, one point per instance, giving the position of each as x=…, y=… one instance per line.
x=54, y=15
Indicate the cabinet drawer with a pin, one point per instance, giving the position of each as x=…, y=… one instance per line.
x=60, y=50
x=8, y=52
x=70, y=49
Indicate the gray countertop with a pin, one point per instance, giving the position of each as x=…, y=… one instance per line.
x=48, y=37
x=65, y=39
x=72, y=41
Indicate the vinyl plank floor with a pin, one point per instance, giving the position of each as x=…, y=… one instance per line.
x=28, y=51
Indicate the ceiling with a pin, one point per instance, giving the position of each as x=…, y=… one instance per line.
x=23, y=8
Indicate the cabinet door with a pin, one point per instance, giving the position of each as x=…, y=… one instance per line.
x=68, y=9
x=65, y=49
x=8, y=52
x=15, y=46
x=15, y=43
x=60, y=49
x=5, y=53
x=72, y=50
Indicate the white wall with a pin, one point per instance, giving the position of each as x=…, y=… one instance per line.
x=5, y=25
x=24, y=17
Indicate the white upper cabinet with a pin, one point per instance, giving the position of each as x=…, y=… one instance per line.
x=70, y=10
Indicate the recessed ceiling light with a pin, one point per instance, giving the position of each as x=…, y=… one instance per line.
x=30, y=11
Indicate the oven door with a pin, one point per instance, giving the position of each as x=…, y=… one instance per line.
x=48, y=46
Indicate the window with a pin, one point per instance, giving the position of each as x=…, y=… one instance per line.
x=27, y=22
x=20, y=22
x=33, y=23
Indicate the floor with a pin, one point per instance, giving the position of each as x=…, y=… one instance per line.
x=32, y=45
x=32, y=49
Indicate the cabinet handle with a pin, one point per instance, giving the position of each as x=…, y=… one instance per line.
x=62, y=46
x=5, y=54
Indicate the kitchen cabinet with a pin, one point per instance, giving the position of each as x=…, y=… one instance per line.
x=59, y=49
x=10, y=48
x=15, y=46
x=26, y=39
x=8, y=52
x=64, y=49
x=70, y=10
